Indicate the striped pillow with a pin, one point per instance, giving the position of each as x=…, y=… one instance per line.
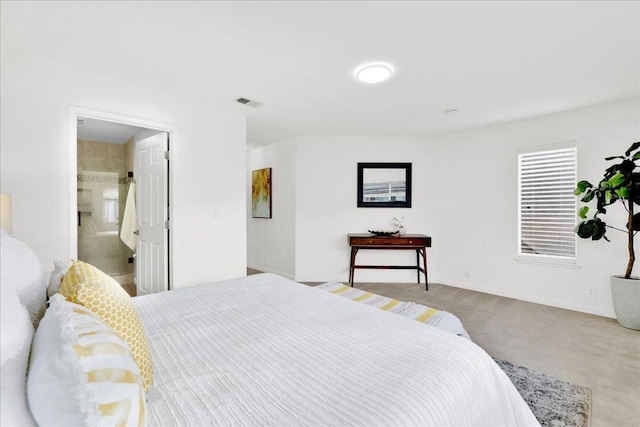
x=81, y=372
x=86, y=285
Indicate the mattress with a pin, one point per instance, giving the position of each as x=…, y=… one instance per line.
x=263, y=350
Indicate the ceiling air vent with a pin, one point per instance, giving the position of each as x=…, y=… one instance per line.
x=249, y=102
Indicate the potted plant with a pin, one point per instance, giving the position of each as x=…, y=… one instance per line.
x=620, y=184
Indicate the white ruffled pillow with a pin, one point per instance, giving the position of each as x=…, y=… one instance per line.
x=81, y=372
x=20, y=269
x=15, y=334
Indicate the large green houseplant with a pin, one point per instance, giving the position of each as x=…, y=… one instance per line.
x=621, y=183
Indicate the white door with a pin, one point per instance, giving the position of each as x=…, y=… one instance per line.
x=151, y=170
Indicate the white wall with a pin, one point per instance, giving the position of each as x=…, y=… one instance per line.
x=271, y=242
x=314, y=208
x=465, y=197
x=326, y=209
x=208, y=163
x=475, y=207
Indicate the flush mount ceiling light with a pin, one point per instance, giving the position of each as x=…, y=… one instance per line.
x=374, y=73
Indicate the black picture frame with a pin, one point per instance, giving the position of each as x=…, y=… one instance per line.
x=364, y=201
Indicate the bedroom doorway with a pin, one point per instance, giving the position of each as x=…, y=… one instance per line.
x=122, y=203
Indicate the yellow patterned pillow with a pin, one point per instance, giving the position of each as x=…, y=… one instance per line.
x=81, y=372
x=86, y=285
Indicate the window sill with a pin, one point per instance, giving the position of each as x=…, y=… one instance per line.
x=572, y=264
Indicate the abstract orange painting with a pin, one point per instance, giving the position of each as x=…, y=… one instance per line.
x=261, y=193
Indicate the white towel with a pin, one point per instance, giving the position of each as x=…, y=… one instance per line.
x=129, y=219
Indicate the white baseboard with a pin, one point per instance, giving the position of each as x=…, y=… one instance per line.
x=487, y=290
x=268, y=270
x=527, y=297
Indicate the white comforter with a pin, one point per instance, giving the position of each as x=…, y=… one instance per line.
x=264, y=350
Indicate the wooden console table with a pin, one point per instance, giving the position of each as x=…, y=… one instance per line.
x=415, y=242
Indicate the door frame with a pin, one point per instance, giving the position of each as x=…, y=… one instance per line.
x=74, y=113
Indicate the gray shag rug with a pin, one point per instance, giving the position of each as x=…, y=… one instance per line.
x=555, y=403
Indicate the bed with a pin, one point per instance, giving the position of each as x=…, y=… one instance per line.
x=263, y=350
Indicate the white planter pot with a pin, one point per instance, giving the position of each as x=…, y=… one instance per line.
x=625, y=294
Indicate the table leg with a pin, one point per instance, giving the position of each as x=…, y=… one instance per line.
x=418, y=264
x=426, y=280
x=354, y=251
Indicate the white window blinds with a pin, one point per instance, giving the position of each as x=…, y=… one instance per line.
x=547, y=205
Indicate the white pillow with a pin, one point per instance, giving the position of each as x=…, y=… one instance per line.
x=16, y=333
x=81, y=372
x=59, y=270
x=20, y=269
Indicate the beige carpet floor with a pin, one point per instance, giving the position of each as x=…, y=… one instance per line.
x=583, y=349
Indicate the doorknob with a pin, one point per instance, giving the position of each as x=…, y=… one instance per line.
x=137, y=232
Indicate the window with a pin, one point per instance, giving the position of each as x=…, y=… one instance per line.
x=547, y=205
x=110, y=205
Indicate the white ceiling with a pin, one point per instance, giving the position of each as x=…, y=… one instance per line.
x=494, y=61
x=99, y=130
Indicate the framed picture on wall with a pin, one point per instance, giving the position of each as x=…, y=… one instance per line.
x=261, y=193
x=384, y=185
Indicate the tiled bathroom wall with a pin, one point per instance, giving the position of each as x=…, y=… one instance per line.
x=102, y=192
